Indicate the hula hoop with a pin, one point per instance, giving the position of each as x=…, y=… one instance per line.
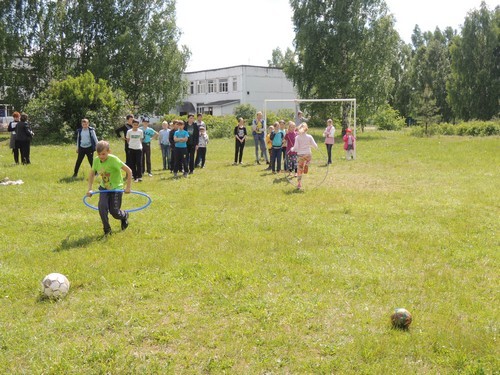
x=149, y=200
x=290, y=175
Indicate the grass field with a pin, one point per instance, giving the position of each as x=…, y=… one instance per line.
x=233, y=271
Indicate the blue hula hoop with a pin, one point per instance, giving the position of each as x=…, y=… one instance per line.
x=149, y=200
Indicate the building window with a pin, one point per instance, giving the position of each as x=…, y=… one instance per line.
x=201, y=87
x=211, y=86
x=191, y=87
x=235, y=84
x=223, y=86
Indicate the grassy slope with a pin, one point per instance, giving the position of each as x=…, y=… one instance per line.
x=229, y=271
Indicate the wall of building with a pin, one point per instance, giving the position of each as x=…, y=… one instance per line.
x=253, y=85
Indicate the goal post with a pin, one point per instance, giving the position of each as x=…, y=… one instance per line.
x=352, y=101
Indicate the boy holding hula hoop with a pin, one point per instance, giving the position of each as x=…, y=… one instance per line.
x=109, y=167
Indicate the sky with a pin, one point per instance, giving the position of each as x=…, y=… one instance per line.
x=222, y=33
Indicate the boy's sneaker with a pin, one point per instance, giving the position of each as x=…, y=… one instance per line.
x=107, y=231
x=136, y=180
x=150, y=174
x=125, y=222
x=175, y=174
x=140, y=179
x=185, y=174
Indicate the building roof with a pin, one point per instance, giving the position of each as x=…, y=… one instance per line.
x=234, y=66
x=222, y=103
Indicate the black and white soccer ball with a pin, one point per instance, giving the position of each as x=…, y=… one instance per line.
x=55, y=286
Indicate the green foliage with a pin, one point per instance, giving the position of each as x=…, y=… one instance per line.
x=217, y=126
x=344, y=49
x=131, y=43
x=57, y=112
x=474, y=85
x=388, y=118
x=470, y=128
x=245, y=111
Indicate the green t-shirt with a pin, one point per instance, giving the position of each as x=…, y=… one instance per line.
x=109, y=171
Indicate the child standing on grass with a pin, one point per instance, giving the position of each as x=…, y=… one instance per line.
x=109, y=167
x=329, y=135
x=290, y=142
x=149, y=134
x=201, y=152
x=302, y=146
x=349, y=144
x=240, y=135
x=276, y=142
x=134, y=140
x=181, y=137
x=86, y=141
x=269, y=143
x=174, y=128
x=163, y=139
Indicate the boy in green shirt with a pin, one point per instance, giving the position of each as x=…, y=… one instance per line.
x=109, y=167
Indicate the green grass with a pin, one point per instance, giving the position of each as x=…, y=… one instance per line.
x=233, y=271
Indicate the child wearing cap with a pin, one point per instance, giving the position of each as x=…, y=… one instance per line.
x=349, y=144
x=202, y=147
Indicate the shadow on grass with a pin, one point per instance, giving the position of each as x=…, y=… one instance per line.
x=71, y=243
x=69, y=180
x=294, y=191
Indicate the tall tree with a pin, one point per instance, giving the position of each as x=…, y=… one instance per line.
x=344, y=48
x=474, y=87
x=279, y=59
x=130, y=43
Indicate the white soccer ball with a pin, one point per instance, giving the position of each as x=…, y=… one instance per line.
x=55, y=285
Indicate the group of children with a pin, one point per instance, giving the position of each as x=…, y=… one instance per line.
x=293, y=144
x=175, y=142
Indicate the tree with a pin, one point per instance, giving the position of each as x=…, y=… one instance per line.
x=427, y=111
x=278, y=59
x=343, y=48
x=130, y=43
x=474, y=85
x=58, y=110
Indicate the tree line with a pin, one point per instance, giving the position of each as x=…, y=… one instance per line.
x=342, y=49
x=346, y=48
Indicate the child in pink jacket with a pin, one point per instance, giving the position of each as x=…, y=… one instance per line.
x=349, y=144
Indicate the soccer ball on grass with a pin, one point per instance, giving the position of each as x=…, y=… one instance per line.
x=401, y=318
x=55, y=286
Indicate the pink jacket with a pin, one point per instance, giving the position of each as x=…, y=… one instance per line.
x=346, y=141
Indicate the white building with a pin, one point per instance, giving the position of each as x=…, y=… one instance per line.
x=218, y=91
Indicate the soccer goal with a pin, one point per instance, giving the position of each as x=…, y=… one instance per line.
x=296, y=102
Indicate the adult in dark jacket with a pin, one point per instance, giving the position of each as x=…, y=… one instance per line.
x=192, y=144
x=24, y=134
x=12, y=130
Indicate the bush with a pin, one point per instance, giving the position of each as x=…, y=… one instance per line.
x=217, y=126
x=471, y=129
x=388, y=118
x=246, y=111
x=57, y=112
